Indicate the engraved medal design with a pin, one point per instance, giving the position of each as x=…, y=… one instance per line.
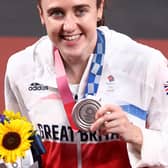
x=84, y=113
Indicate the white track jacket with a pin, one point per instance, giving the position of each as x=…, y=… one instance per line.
x=133, y=74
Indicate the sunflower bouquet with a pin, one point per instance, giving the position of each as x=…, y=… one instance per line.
x=15, y=136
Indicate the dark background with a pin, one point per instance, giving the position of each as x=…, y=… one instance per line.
x=137, y=18
x=144, y=20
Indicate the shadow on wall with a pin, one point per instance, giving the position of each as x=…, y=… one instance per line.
x=10, y=45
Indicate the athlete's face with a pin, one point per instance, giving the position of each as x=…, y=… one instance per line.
x=71, y=24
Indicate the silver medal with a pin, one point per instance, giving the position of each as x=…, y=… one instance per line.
x=84, y=113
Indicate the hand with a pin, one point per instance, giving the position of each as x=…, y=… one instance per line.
x=112, y=119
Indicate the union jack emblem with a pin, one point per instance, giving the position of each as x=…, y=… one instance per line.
x=110, y=78
x=166, y=87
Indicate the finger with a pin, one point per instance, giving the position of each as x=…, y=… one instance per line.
x=111, y=124
x=107, y=108
x=115, y=130
x=100, y=122
x=97, y=124
x=105, y=131
x=106, y=118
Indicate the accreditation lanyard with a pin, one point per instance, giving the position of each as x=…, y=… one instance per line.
x=93, y=77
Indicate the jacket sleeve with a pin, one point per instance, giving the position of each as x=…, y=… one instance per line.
x=12, y=102
x=10, y=97
x=155, y=137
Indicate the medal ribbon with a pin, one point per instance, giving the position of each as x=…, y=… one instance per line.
x=93, y=78
x=92, y=87
x=96, y=66
x=63, y=88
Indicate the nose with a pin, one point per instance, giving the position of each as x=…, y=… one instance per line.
x=69, y=24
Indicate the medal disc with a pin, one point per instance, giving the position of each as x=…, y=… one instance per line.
x=84, y=113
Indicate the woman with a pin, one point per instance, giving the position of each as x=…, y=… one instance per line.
x=78, y=60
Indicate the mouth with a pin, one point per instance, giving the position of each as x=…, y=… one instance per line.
x=71, y=37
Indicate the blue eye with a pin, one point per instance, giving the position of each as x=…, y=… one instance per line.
x=56, y=13
x=81, y=12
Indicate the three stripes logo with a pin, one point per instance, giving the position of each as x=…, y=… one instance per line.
x=37, y=87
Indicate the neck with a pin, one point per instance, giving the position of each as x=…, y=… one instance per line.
x=75, y=71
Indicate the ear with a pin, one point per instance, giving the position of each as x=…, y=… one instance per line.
x=100, y=10
x=40, y=11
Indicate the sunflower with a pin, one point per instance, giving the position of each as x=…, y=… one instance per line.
x=14, y=139
x=12, y=116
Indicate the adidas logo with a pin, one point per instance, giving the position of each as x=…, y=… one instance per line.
x=37, y=87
